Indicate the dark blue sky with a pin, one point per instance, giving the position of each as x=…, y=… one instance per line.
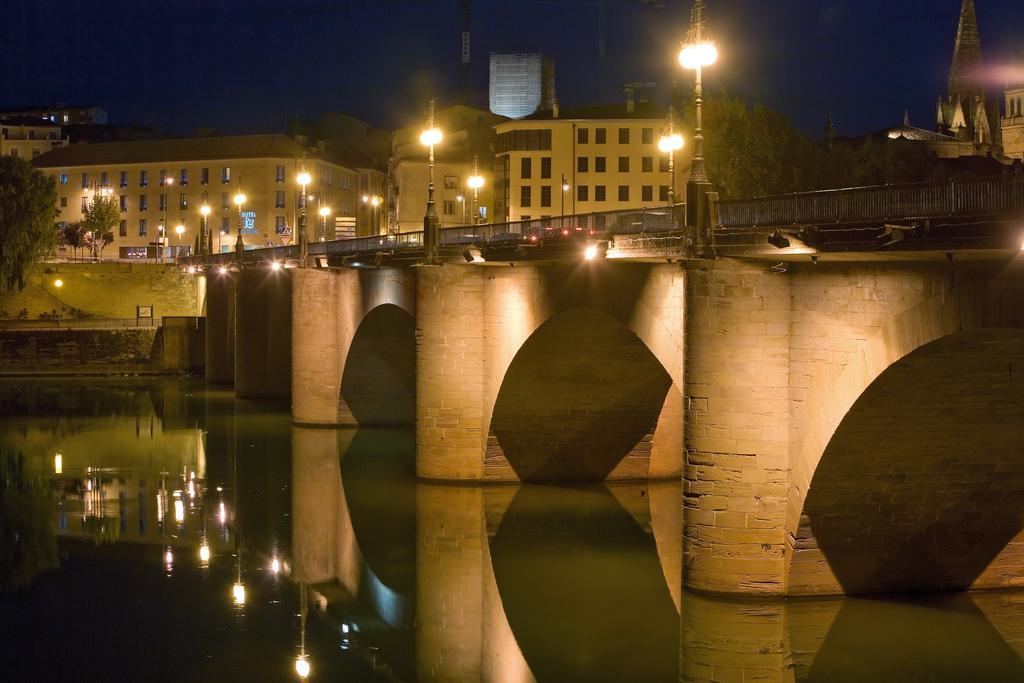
x=249, y=65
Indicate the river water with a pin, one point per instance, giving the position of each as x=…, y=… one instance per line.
x=160, y=529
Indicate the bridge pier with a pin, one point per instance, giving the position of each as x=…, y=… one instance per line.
x=263, y=338
x=220, y=327
x=736, y=475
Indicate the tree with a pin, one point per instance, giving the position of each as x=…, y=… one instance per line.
x=72, y=235
x=102, y=215
x=28, y=201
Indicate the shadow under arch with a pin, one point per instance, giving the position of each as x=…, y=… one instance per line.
x=379, y=380
x=581, y=394
x=583, y=588
x=922, y=485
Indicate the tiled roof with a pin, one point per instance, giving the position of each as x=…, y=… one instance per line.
x=178, y=149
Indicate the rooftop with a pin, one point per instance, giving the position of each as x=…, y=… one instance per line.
x=641, y=110
x=179, y=149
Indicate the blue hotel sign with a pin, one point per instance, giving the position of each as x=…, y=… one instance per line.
x=249, y=222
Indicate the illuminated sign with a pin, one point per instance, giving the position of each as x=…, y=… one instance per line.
x=249, y=223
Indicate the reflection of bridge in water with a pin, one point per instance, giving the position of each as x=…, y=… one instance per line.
x=532, y=583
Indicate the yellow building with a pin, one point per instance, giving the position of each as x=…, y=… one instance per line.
x=582, y=161
x=28, y=137
x=468, y=136
x=166, y=181
x=1012, y=124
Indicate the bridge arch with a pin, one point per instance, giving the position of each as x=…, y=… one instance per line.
x=943, y=360
x=581, y=394
x=378, y=383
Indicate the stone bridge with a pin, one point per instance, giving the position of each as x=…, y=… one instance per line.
x=844, y=422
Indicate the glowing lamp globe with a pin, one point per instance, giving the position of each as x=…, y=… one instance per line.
x=430, y=137
x=475, y=182
x=698, y=55
x=670, y=143
x=304, y=178
x=325, y=211
x=240, y=198
x=302, y=667
x=205, y=210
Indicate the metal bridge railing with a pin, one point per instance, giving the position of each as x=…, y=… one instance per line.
x=969, y=197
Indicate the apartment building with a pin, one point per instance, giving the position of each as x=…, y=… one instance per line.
x=161, y=184
x=28, y=138
x=582, y=161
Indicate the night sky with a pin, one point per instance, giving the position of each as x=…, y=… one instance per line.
x=249, y=65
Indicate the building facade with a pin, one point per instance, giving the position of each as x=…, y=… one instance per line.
x=467, y=146
x=1012, y=124
x=520, y=84
x=161, y=184
x=60, y=114
x=589, y=160
x=28, y=138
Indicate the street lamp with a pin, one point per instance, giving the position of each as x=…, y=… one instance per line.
x=697, y=52
x=375, y=201
x=165, y=198
x=58, y=283
x=475, y=182
x=240, y=200
x=428, y=138
x=303, y=179
x=205, y=239
x=565, y=189
x=325, y=211
x=670, y=143
x=179, y=230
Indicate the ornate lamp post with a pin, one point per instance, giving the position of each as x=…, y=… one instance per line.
x=565, y=190
x=475, y=182
x=698, y=51
x=179, y=231
x=205, y=240
x=669, y=143
x=428, y=138
x=165, y=198
x=325, y=211
x=239, y=201
x=303, y=179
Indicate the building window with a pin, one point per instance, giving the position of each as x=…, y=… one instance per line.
x=647, y=164
x=582, y=193
x=525, y=167
x=545, y=195
x=623, y=193
x=647, y=136
x=582, y=164
x=225, y=225
x=163, y=177
x=85, y=179
x=142, y=227
x=582, y=136
x=279, y=201
x=663, y=193
x=328, y=177
x=63, y=202
x=63, y=178
x=183, y=201
x=124, y=202
x=451, y=182
x=225, y=201
x=623, y=136
x=122, y=230
x=163, y=201
x=545, y=167
x=225, y=174
x=14, y=152
x=647, y=193
x=449, y=207
x=279, y=221
x=623, y=164
x=85, y=204
x=124, y=178
x=183, y=176
x=523, y=140
x=143, y=203
x=598, y=193
x=279, y=174
x=524, y=196
x=143, y=178
x=600, y=136
x=599, y=164
x=204, y=176
x=104, y=179
x=663, y=164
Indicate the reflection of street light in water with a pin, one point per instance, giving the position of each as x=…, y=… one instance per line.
x=302, y=667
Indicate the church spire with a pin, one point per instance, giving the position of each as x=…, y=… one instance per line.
x=964, y=74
